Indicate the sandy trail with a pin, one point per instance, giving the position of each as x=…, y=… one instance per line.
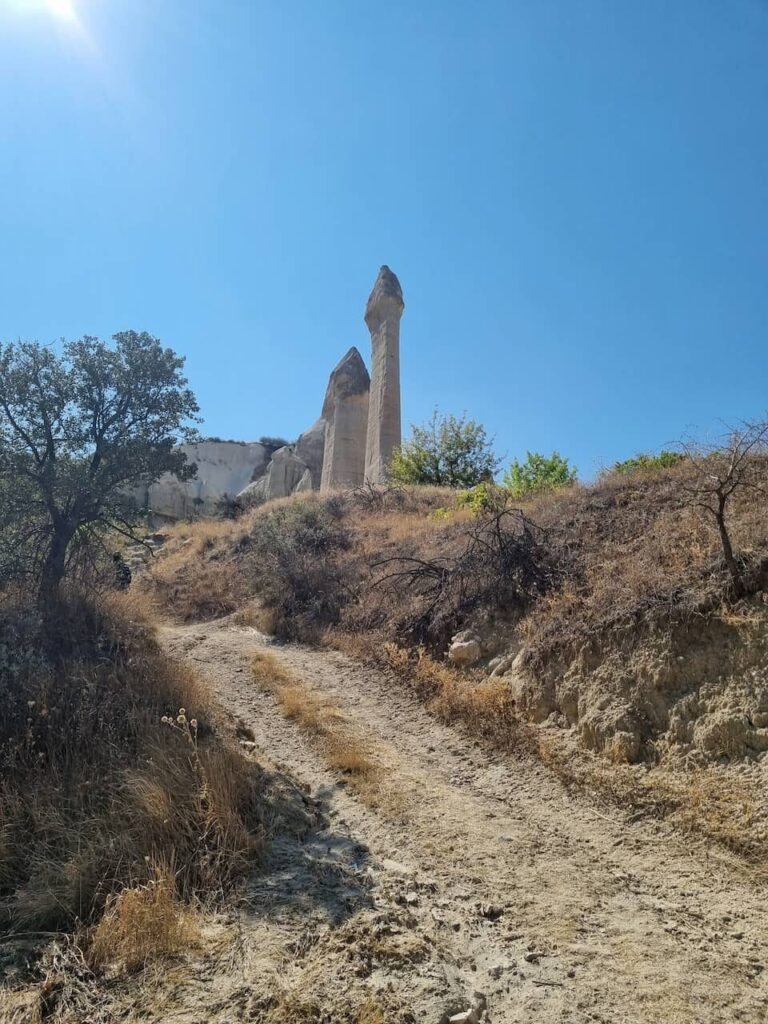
x=551, y=909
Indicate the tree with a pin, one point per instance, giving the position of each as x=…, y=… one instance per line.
x=77, y=431
x=735, y=463
x=446, y=451
x=539, y=473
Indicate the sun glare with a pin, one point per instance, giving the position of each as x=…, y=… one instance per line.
x=64, y=9
x=61, y=10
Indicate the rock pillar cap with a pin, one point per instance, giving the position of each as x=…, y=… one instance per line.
x=385, y=300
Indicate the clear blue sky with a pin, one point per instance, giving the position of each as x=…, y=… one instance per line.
x=574, y=194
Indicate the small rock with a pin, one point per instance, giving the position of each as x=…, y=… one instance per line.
x=534, y=956
x=465, y=652
x=490, y=911
x=247, y=744
x=465, y=1017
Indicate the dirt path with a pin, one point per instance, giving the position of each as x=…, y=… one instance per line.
x=502, y=889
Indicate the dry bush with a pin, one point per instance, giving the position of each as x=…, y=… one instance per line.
x=497, y=562
x=293, y=563
x=94, y=783
x=638, y=552
x=143, y=923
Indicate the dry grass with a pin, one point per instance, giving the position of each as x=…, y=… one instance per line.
x=476, y=702
x=627, y=547
x=23, y=1007
x=95, y=787
x=144, y=923
x=342, y=748
x=709, y=802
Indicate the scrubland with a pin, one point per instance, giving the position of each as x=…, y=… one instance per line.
x=606, y=614
x=124, y=808
x=615, y=659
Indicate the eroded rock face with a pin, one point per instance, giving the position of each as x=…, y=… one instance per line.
x=345, y=413
x=382, y=317
x=310, y=448
x=224, y=468
x=699, y=690
x=286, y=472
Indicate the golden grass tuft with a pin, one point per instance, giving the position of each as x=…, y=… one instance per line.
x=142, y=924
x=20, y=1007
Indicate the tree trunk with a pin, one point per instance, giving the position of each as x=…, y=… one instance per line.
x=53, y=568
x=730, y=560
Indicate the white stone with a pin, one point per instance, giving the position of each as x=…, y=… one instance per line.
x=310, y=448
x=382, y=316
x=345, y=413
x=284, y=474
x=224, y=468
x=465, y=652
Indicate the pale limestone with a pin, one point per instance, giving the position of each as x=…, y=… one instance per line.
x=345, y=412
x=224, y=468
x=382, y=316
x=310, y=449
x=285, y=473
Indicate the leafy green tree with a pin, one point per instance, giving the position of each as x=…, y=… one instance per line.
x=663, y=460
x=450, y=451
x=78, y=430
x=539, y=473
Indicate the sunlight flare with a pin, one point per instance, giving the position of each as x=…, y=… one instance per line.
x=63, y=9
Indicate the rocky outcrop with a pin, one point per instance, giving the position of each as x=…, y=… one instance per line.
x=466, y=648
x=350, y=443
x=382, y=316
x=345, y=414
x=310, y=448
x=224, y=468
x=285, y=473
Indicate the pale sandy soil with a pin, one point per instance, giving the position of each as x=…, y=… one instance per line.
x=474, y=881
x=552, y=909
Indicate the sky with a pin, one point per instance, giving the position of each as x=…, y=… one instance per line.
x=573, y=194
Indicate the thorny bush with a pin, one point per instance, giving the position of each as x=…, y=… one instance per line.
x=503, y=565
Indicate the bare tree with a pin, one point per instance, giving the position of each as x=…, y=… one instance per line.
x=719, y=471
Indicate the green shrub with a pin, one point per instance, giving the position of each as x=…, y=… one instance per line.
x=644, y=461
x=539, y=473
x=476, y=499
x=448, y=451
x=273, y=442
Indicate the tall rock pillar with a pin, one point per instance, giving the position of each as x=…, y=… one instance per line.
x=345, y=413
x=382, y=316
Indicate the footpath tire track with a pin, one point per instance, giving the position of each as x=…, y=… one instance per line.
x=553, y=911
